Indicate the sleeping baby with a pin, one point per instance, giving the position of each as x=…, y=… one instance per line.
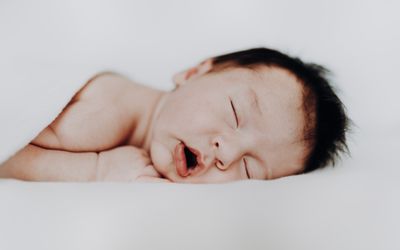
x=253, y=114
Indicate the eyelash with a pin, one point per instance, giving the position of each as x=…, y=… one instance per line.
x=234, y=112
x=245, y=167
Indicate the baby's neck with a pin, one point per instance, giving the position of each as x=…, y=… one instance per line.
x=145, y=103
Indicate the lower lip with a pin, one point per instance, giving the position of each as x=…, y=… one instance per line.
x=180, y=160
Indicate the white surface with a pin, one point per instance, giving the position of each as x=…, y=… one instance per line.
x=318, y=212
x=354, y=206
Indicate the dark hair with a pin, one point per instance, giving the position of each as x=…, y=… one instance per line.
x=322, y=107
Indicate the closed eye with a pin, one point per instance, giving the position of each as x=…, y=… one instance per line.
x=245, y=167
x=234, y=113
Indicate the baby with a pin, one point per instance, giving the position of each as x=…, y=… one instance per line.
x=253, y=114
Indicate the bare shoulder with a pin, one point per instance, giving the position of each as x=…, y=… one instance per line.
x=104, y=86
x=95, y=119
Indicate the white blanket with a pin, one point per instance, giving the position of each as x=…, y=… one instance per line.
x=48, y=51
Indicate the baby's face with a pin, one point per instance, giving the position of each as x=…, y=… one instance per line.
x=231, y=119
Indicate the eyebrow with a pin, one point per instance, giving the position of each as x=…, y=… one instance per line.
x=254, y=101
x=261, y=168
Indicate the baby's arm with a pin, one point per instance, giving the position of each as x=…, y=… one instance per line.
x=34, y=163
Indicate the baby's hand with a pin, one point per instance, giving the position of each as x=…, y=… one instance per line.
x=126, y=163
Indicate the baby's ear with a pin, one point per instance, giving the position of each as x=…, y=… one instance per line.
x=193, y=72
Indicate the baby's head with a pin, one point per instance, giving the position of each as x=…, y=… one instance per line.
x=256, y=114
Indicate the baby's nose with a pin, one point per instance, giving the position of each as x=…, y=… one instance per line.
x=227, y=151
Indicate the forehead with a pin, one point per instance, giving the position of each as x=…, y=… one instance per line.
x=279, y=128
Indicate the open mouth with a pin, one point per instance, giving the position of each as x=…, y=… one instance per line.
x=186, y=160
x=191, y=161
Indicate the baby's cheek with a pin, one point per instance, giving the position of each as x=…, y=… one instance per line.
x=161, y=157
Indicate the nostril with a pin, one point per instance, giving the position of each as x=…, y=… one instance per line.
x=219, y=164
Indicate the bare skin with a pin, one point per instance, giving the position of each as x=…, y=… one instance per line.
x=105, y=151
x=243, y=124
